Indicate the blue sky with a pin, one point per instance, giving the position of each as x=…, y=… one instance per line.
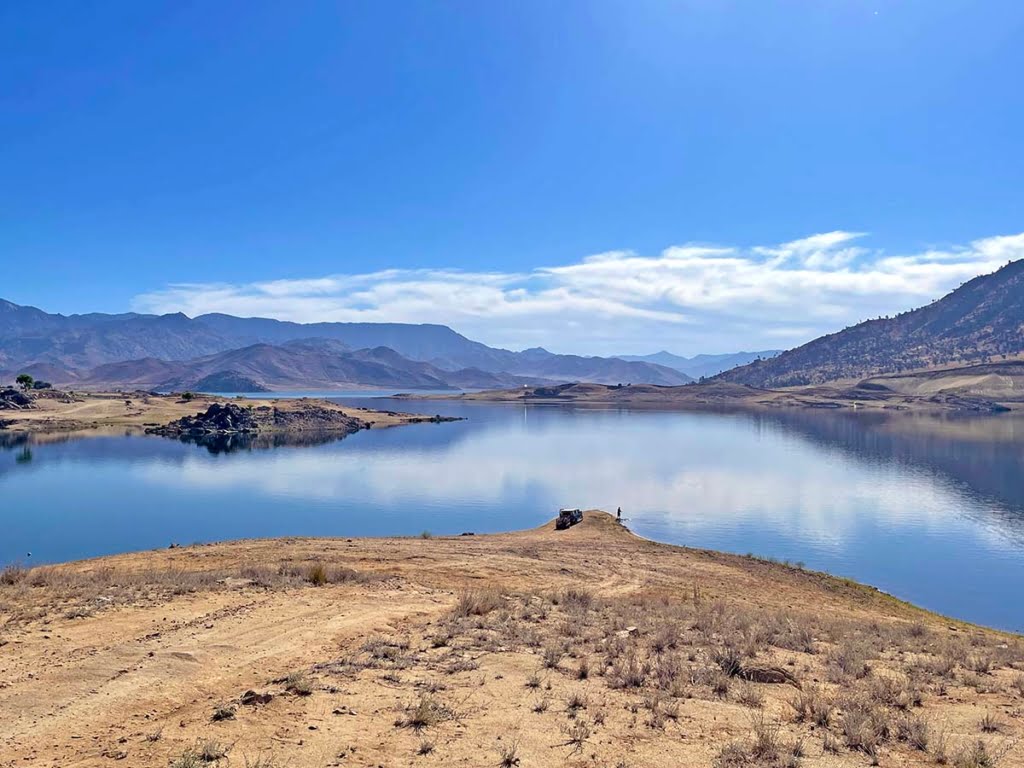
x=590, y=176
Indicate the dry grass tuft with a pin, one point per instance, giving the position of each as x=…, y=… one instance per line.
x=811, y=705
x=425, y=712
x=508, y=754
x=299, y=684
x=476, y=602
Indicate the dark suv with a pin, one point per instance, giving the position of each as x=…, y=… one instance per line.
x=567, y=517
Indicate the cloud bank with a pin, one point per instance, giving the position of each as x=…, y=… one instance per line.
x=688, y=298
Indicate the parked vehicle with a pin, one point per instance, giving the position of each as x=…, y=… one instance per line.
x=568, y=517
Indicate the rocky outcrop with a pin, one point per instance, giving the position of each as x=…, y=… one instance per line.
x=13, y=400
x=217, y=419
x=233, y=419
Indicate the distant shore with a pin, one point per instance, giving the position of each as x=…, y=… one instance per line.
x=868, y=395
x=102, y=412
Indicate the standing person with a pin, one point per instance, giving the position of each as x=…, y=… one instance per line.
x=618, y=515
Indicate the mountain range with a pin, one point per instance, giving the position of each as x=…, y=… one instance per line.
x=164, y=351
x=700, y=366
x=307, y=364
x=981, y=321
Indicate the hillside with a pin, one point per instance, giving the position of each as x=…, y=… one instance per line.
x=29, y=335
x=307, y=364
x=981, y=320
x=64, y=346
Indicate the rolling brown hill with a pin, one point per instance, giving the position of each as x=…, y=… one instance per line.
x=980, y=321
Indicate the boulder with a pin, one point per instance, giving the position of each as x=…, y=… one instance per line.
x=14, y=400
x=219, y=418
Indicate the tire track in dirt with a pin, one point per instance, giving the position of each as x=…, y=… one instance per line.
x=159, y=674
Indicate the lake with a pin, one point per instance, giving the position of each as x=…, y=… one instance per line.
x=929, y=509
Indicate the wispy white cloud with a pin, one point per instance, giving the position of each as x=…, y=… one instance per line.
x=688, y=298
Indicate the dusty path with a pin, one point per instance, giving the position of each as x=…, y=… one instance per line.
x=583, y=647
x=76, y=693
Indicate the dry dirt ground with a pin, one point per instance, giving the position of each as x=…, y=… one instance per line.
x=116, y=411
x=585, y=647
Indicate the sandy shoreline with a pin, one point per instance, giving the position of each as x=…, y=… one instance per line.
x=723, y=396
x=585, y=647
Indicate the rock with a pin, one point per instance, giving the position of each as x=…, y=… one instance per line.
x=219, y=418
x=226, y=419
x=13, y=400
x=251, y=698
x=776, y=675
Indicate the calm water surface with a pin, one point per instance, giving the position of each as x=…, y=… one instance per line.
x=931, y=510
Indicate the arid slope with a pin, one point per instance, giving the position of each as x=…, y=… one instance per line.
x=538, y=648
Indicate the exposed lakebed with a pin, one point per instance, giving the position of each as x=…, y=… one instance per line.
x=930, y=509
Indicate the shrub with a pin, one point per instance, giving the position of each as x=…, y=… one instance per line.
x=187, y=759
x=261, y=761
x=12, y=574
x=766, y=738
x=989, y=723
x=728, y=658
x=811, y=705
x=576, y=735
x=583, y=670
x=865, y=725
x=579, y=599
x=476, y=602
x=427, y=711
x=732, y=755
x=914, y=730
x=628, y=672
x=576, y=700
x=831, y=744
x=317, y=575
x=552, y=656
x=749, y=695
x=212, y=751
x=199, y=755
x=299, y=684
x=978, y=755
x=849, y=659
x=508, y=754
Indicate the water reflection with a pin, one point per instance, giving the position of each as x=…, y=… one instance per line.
x=930, y=508
x=231, y=443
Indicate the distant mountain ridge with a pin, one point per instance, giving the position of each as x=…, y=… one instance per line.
x=75, y=345
x=981, y=320
x=702, y=365
x=309, y=364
